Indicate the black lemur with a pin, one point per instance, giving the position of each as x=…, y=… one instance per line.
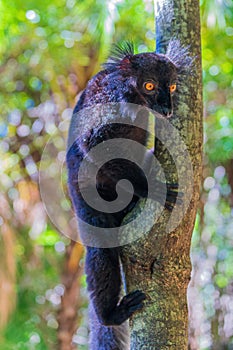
x=145, y=79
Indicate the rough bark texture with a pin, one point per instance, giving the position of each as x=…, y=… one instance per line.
x=159, y=263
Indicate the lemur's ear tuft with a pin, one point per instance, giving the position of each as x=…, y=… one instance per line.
x=180, y=57
x=120, y=55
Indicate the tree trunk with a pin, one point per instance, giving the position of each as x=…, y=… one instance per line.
x=67, y=315
x=159, y=263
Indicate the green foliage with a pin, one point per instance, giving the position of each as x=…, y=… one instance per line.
x=212, y=241
x=218, y=82
x=33, y=324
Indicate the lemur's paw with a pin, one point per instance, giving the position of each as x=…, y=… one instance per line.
x=133, y=301
x=127, y=306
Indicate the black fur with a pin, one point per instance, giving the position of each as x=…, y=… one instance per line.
x=121, y=81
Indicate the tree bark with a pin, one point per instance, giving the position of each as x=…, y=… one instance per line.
x=159, y=263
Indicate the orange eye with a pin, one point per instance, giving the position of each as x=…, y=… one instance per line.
x=149, y=86
x=172, y=88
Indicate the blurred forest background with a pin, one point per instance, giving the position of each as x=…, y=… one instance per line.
x=48, y=52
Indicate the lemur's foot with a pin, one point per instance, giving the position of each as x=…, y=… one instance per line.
x=127, y=306
x=169, y=193
x=173, y=196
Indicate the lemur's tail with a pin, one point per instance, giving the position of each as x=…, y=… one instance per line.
x=107, y=338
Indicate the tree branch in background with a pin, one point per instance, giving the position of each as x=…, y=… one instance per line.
x=67, y=315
